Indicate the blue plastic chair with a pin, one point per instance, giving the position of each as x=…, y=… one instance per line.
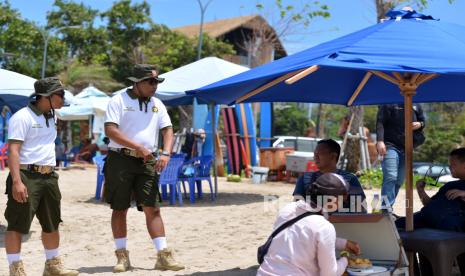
x=100, y=162
x=202, y=167
x=169, y=178
x=68, y=156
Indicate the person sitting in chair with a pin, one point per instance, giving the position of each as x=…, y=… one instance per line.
x=446, y=209
x=87, y=151
x=326, y=156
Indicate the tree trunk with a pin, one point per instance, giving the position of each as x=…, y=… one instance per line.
x=352, y=149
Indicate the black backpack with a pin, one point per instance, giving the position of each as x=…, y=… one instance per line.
x=263, y=250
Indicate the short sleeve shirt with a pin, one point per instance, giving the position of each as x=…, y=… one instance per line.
x=28, y=126
x=138, y=122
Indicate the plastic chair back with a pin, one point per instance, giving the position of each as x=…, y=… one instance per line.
x=204, y=166
x=172, y=170
x=100, y=162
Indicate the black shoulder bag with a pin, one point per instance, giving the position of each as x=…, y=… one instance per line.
x=262, y=250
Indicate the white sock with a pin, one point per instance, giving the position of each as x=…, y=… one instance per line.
x=160, y=243
x=12, y=258
x=120, y=243
x=51, y=253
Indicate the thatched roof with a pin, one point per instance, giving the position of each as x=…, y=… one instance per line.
x=221, y=27
x=218, y=27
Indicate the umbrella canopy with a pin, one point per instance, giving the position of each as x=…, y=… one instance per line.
x=192, y=76
x=90, y=101
x=16, y=88
x=406, y=42
x=409, y=52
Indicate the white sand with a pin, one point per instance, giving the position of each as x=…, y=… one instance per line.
x=210, y=238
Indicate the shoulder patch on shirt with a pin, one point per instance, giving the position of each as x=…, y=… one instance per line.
x=155, y=109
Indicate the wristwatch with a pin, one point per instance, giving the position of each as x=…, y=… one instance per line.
x=165, y=153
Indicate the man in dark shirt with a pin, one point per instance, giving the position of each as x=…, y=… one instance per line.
x=326, y=156
x=446, y=209
x=390, y=137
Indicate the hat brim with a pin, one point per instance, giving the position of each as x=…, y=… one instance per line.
x=49, y=93
x=134, y=79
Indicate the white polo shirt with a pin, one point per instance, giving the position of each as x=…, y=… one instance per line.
x=138, y=125
x=28, y=127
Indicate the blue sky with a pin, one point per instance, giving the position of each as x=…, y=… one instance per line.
x=346, y=15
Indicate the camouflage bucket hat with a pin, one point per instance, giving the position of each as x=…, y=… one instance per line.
x=142, y=72
x=48, y=86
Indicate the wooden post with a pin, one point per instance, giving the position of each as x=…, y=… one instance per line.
x=408, y=90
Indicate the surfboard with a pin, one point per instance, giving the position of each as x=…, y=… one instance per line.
x=242, y=123
x=245, y=161
x=227, y=138
x=219, y=156
x=265, y=125
x=235, y=141
x=252, y=134
x=208, y=145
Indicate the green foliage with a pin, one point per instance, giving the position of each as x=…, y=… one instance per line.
x=23, y=43
x=374, y=178
x=78, y=76
x=170, y=50
x=444, y=131
x=84, y=40
x=371, y=178
x=290, y=120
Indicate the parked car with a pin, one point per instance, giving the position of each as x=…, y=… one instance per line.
x=430, y=169
x=300, y=144
x=446, y=178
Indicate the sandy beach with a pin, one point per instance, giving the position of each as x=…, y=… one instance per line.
x=210, y=238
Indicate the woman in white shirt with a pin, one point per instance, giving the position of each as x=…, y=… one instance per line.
x=308, y=246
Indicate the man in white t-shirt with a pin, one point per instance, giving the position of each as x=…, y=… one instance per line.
x=32, y=185
x=133, y=121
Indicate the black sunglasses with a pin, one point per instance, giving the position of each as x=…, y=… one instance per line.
x=153, y=81
x=60, y=93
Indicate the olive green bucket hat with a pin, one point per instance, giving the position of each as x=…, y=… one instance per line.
x=48, y=86
x=142, y=72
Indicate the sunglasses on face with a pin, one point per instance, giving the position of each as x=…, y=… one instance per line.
x=152, y=81
x=61, y=94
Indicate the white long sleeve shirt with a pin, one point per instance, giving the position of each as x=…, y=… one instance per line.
x=305, y=248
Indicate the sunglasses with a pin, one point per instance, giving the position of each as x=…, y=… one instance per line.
x=152, y=81
x=61, y=94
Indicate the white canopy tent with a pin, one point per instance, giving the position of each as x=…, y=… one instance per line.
x=89, y=102
x=16, y=88
x=192, y=76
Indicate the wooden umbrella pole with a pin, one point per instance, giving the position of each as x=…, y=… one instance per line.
x=408, y=90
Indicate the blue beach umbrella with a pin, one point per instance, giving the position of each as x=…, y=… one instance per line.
x=419, y=56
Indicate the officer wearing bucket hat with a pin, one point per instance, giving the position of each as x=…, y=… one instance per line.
x=133, y=121
x=32, y=185
x=307, y=246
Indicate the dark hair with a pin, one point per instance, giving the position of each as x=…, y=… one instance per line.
x=332, y=145
x=459, y=154
x=106, y=140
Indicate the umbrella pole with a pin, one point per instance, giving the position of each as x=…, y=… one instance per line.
x=213, y=110
x=408, y=90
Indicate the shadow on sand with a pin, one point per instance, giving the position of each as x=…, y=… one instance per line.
x=25, y=238
x=251, y=271
x=104, y=269
x=223, y=199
